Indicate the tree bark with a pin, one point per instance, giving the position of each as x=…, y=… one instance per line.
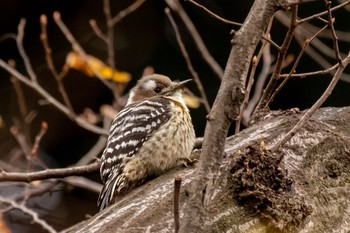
x=316, y=163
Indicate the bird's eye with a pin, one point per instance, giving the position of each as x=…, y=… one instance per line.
x=157, y=89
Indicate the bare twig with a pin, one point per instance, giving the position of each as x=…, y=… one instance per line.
x=116, y=19
x=82, y=182
x=110, y=34
x=21, y=102
x=50, y=63
x=30, y=212
x=177, y=188
x=21, y=140
x=317, y=105
x=188, y=61
x=255, y=62
x=213, y=14
x=176, y=7
x=49, y=173
x=38, y=138
x=306, y=44
x=300, y=21
x=306, y=74
x=334, y=35
x=281, y=55
x=97, y=148
x=98, y=31
x=34, y=85
x=21, y=50
x=258, y=89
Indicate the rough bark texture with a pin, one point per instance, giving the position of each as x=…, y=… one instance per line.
x=313, y=183
x=226, y=108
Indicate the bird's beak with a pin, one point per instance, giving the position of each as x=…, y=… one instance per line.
x=182, y=84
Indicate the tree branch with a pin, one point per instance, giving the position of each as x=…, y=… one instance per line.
x=49, y=173
x=225, y=109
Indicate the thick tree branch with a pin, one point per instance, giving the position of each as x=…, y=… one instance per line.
x=226, y=108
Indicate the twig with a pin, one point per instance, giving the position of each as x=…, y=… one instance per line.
x=304, y=32
x=317, y=105
x=213, y=14
x=177, y=188
x=97, y=148
x=80, y=121
x=21, y=139
x=318, y=72
x=98, y=31
x=82, y=182
x=176, y=7
x=188, y=61
x=274, y=44
x=21, y=102
x=49, y=173
x=281, y=55
x=30, y=212
x=38, y=138
x=50, y=63
x=255, y=62
x=110, y=34
x=19, y=40
x=334, y=35
x=116, y=19
x=76, y=46
x=320, y=59
x=306, y=44
x=258, y=89
x=300, y=21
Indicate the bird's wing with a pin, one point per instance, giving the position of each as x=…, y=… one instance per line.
x=130, y=129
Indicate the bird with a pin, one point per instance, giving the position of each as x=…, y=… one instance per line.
x=152, y=134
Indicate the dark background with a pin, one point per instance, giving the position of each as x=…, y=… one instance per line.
x=144, y=38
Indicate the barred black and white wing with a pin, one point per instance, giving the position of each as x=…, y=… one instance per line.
x=131, y=128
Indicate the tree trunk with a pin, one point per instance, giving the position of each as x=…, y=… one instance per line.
x=308, y=190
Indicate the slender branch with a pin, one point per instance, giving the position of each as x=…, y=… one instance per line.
x=300, y=21
x=76, y=46
x=318, y=72
x=255, y=62
x=177, y=188
x=116, y=19
x=49, y=173
x=21, y=140
x=188, y=61
x=213, y=14
x=306, y=44
x=110, y=34
x=98, y=31
x=176, y=7
x=50, y=63
x=334, y=35
x=317, y=105
x=98, y=147
x=22, y=52
x=30, y=212
x=34, y=85
x=281, y=56
x=38, y=138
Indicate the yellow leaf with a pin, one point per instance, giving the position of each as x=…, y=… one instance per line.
x=92, y=66
x=191, y=101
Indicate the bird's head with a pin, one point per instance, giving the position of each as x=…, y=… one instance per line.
x=157, y=85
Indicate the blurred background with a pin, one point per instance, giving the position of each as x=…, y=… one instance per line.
x=143, y=38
